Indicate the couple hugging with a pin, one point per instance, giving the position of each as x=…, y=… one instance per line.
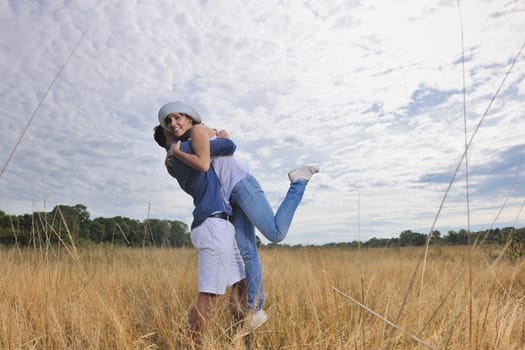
x=229, y=204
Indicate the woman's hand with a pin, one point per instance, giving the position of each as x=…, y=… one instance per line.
x=223, y=134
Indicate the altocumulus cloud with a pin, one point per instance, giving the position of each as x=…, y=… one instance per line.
x=373, y=93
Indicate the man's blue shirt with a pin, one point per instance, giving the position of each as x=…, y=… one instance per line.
x=203, y=186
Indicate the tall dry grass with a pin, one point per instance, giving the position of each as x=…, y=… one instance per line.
x=121, y=298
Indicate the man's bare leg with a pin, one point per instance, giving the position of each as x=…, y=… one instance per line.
x=199, y=314
x=238, y=301
x=239, y=309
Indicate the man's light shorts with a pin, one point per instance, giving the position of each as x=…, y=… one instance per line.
x=220, y=262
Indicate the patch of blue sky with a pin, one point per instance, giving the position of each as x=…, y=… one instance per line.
x=501, y=174
x=425, y=98
x=376, y=108
x=498, y=175
x=508, y=161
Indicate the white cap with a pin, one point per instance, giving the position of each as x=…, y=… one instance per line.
x=177, y=107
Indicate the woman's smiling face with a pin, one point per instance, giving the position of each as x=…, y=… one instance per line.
x=179, y=123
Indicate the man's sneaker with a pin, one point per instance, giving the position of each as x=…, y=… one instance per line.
x=255, y=319
x=304, y=173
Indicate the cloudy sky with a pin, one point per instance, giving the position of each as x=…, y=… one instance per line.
x=372, y=92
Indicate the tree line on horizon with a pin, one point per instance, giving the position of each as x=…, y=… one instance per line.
x=408, y=238
x=65, y=223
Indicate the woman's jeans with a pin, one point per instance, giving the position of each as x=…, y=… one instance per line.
x=251, y=209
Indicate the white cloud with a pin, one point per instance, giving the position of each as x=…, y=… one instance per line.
x=372, y=93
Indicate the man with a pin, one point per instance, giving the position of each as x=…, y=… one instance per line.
x=220, y=263
x=250, y=206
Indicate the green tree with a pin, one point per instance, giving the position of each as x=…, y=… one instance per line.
x=6, y=230
x=409, y=238
x=65, y=220
x=157, y=232
x=179, y=235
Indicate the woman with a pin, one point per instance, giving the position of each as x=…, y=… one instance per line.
x=250, y=206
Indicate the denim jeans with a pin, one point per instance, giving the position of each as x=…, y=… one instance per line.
x=251, y=209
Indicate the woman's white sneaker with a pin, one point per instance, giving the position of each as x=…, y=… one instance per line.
x=255, y=319
x=304, y=173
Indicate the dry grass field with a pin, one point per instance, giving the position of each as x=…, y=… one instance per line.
x=317, y=298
